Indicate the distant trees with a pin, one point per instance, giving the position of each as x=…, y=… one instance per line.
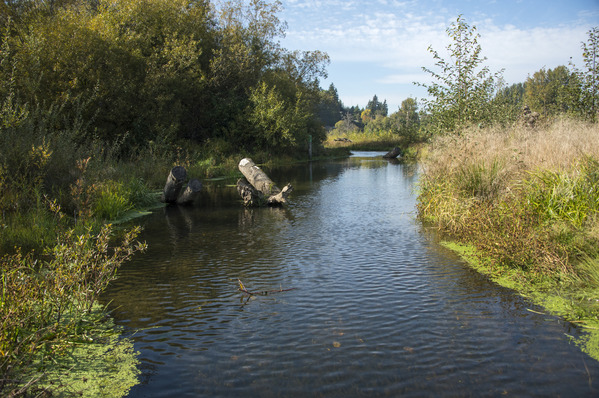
x=548, y=91
x=465, y=92
x=377, y=108
x=330, y=109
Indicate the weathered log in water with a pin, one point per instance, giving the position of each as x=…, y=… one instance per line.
x=191, y=192
x=174, y=183
x=395, y=152
x=264, y=189
x=250, y=195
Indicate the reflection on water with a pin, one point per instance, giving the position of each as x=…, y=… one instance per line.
x=378, y=308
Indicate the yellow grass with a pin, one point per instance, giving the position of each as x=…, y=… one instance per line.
x=554, y=147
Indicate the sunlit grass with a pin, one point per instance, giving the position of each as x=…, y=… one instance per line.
x=526, y=197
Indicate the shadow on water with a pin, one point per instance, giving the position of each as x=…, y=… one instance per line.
x=378, y=307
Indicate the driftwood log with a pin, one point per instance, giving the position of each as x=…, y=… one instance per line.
x=257, y=188
x=174, y=183
x=392, y=154
x=190, y=193
x=250, y=195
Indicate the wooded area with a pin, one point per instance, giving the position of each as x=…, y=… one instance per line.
x=134, y=73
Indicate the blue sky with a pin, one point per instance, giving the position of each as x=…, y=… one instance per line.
x=379, y=46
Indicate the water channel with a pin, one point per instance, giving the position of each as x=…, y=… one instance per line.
x=377, y=307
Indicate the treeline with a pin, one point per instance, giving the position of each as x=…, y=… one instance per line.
x=373, y=121
x=134, y=72
x=465, y=92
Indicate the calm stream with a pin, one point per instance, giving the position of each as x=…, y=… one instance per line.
x=377, y=307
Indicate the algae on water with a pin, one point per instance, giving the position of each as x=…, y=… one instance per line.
x=553, y=300
x=104, y=367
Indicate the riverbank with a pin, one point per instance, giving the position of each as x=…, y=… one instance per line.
x=522, y=206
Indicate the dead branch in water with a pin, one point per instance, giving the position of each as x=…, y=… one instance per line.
x=243, y=289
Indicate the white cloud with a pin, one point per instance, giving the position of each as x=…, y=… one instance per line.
x=393, y=36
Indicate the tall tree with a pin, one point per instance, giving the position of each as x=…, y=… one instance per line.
x=330, y=108
x=377, y=108
x=462, y=86
x=588, y=78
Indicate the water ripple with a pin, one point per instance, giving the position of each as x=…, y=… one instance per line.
x=377, y=308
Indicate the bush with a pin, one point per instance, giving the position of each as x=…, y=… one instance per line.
x=46, y=304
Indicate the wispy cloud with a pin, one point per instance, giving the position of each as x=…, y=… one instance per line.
x=394, y=36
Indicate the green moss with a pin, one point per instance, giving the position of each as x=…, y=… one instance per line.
x=100, y=364
x=558, y=296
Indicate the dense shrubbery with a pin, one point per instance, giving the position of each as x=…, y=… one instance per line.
x=156, y=70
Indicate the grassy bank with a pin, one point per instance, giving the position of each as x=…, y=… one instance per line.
x=364, y=141
x=525, y=204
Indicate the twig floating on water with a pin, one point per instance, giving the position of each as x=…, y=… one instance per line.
x=243, y=289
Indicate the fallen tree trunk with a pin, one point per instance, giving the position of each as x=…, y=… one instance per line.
x=261, y=183
x=250, y=195
x=395, y=152
x=173, y=185
x=190, y=193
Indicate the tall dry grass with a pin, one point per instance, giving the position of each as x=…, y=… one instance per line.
x=554, y=147
x=528, y=198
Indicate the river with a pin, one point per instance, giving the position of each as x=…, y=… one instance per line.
x=372, y=304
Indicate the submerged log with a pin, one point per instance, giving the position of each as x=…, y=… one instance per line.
x=261, y=183
x=190, y=193
x=173, y=185
x=395, y=152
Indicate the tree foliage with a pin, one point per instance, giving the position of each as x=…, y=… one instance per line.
x=462, y=87
x=547, y=91
x=157, y=70
x=376, y=107
x=588, y=78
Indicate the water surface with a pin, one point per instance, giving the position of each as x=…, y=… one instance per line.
x=378, y=308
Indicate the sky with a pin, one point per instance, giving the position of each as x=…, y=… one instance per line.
x=378, y=47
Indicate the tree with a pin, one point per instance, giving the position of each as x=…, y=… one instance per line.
x=410, y=120
x=547, y=91
x=463, y=87
x=376, y=107
x=588, y=78
x=508, y=103
x=330, y=108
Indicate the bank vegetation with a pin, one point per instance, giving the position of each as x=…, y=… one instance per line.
x=519, y=195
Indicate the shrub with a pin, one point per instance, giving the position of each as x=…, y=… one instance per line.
x=46, y=303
